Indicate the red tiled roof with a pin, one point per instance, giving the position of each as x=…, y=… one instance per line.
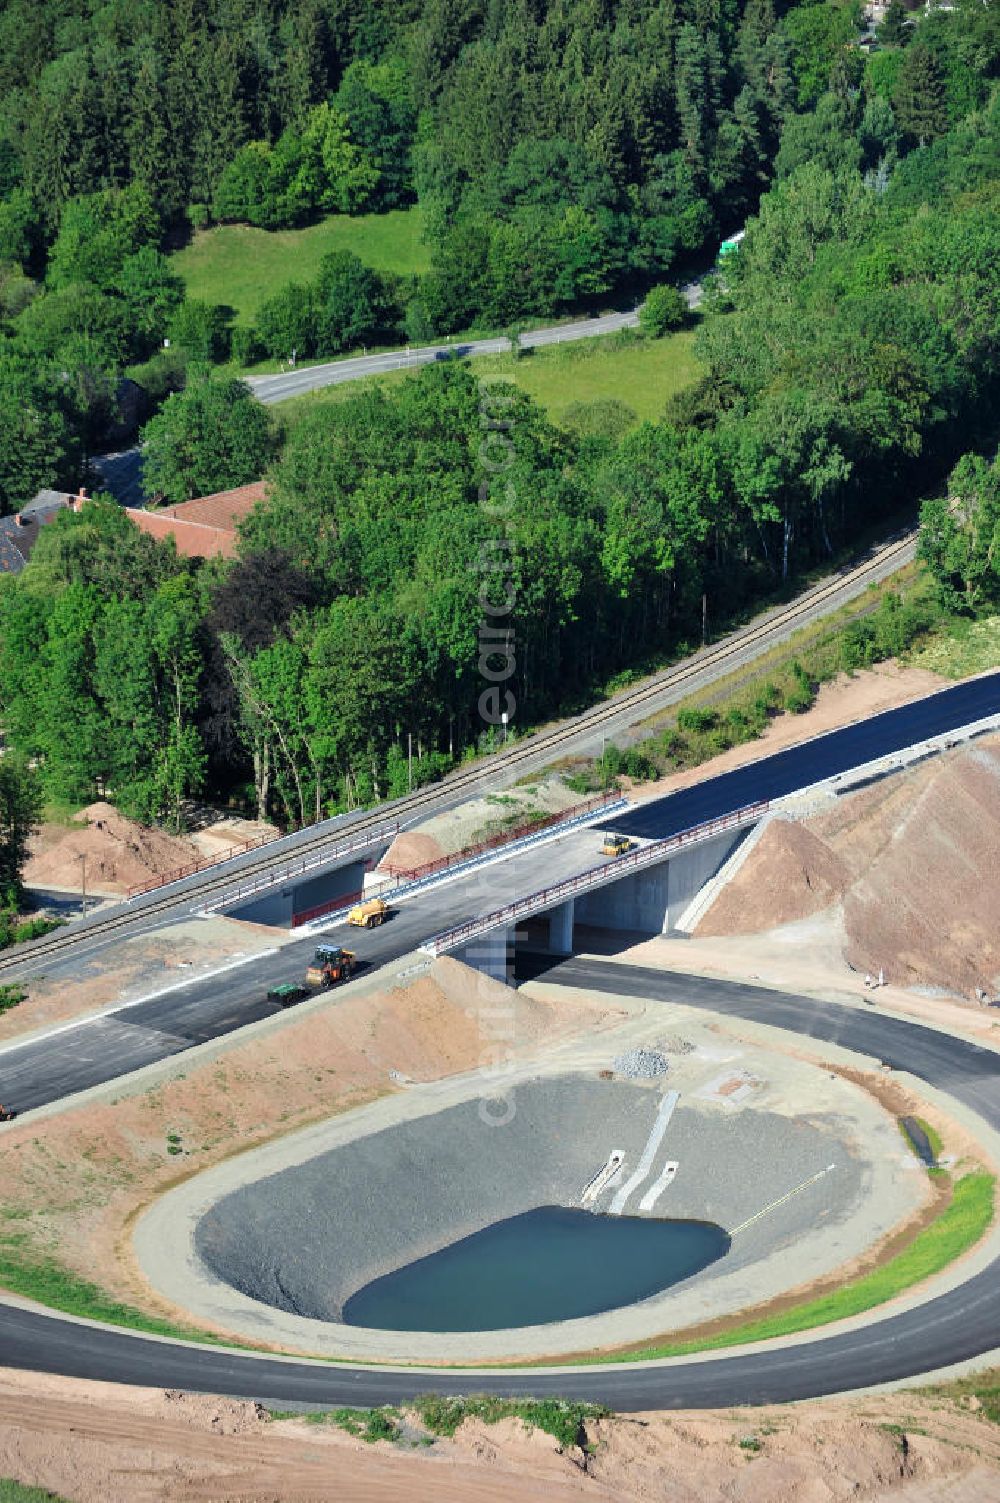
x=224, y=509
x=205, y=528
x=193, y=539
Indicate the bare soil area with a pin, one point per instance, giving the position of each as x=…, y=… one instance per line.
x=456, y=829
x=119, y=854
x=72, y=1183
x=102, y=1443
x=231, y=834
x=913, y=862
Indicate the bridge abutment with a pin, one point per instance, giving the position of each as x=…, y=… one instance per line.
x=651, y=901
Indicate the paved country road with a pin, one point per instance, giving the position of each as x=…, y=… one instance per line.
x=294, y=383
x=121, y=472
x=310, y=377
x=77, y=1057
x=957, y=1325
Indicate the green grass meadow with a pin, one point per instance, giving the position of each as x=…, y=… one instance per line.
x=642, y=374
x=240, y=267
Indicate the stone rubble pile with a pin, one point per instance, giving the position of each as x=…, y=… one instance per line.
x=641, y=1064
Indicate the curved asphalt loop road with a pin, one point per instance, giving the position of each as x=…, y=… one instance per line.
x=957, y=1325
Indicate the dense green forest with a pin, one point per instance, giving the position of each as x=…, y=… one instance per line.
x=563, y=154
x=851, y=350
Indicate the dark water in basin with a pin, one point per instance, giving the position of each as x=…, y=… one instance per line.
x=545, y=1265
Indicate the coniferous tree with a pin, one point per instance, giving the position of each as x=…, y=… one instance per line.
x=919, y=99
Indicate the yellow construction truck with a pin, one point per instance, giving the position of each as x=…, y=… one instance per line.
x=330, y=964
x=367, y=915
x=616, y=845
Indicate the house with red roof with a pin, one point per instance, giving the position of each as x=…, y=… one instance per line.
x=206, y=528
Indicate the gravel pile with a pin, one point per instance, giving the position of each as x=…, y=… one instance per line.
x=641, y=1064
x=675, y=1045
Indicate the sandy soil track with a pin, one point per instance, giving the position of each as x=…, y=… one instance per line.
x=101, y=1443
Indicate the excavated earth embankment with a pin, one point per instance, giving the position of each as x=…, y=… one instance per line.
x=913, y=862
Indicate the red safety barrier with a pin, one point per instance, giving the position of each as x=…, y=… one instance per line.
x=346, y=900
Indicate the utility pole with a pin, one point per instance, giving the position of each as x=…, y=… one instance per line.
x=83, y=882
x=704, y=619
x=409, y=761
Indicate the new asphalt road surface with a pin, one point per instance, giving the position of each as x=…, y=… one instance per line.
x=960, y=1324
x=823, y=757
x=34, y=1074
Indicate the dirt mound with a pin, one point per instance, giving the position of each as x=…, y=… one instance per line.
x=478, y=819
x=927, y=909
x=119, y=852
x=915, y=861
x=107, y=1443
x=790, y=875
x=410, y=850
x=230, y=834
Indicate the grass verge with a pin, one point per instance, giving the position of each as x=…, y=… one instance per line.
x=16, y=1492
x=982, y=1387
x=11, y=996
x=565, y=1421
x=961, y=1224
x=48, y=1282
x=620, y=378
x=576, y=381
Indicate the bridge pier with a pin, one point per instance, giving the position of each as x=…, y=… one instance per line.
x=561, y=928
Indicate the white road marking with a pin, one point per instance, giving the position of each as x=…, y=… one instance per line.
x=117, y=1007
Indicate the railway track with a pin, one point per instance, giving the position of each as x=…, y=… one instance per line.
x=716, y=660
